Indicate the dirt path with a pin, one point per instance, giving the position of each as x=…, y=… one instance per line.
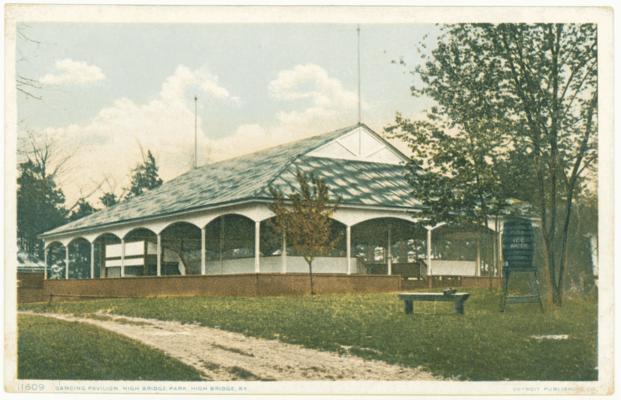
x=224, y=355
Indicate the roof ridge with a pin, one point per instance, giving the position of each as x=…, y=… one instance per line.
x=346, y=129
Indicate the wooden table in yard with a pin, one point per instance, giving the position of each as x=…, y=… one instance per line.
x=458, y=299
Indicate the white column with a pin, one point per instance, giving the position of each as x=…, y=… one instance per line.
x=389, y=251
x=257, y=246
x=45, y=260
x=478, y=260
x=67, y=261
x=429, y=271
x=93, y=260
x=159, y=255
x=122, y=258
x=203, y=259
x=284, y=252
x=348, y=239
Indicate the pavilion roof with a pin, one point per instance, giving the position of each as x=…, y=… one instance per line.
x=248, y=177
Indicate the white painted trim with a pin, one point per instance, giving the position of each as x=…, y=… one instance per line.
x=429, y=269
x=128, y=262
x=389, y=251
x=159, y=255
x=338, y=141
x=66, y=262
x=180, y=221
x=352, y=217
x=257, y=246
x=137, y=228
x=122, y=258
x=98, y=235
x=372, y=153
x=477, y=268
x=323, y=150
x=259, y=211
x=348, y=239
x=255, y=209
x=45, y=260
x=117, y=228
x=203, y=258
x=92, y=261
x=284, y=253
x=73, y=239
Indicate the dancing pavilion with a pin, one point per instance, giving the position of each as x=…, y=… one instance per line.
x=215, y=219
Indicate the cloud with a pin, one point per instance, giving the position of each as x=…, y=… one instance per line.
x=175, y=86
x=310, y=81
x=328, y=98
x=72, y=72
x=312, y=102
x=108, y=145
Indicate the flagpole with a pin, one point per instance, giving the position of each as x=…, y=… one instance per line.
x=359, y=94
x=195, y=164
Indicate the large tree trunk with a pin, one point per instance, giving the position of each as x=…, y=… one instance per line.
x=557, y=295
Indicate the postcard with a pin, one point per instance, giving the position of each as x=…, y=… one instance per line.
x=319, y=200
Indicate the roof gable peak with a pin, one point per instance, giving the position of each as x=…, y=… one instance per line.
x=360, y=143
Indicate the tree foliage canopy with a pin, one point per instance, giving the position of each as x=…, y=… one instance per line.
x=40, y=204
x=144, y=177
x=108, y=199
x=515, y=116
x=82, y=209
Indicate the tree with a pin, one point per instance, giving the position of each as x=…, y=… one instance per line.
x=455, y=175
x=303, y=216
x=25, y=85
x=82, y=209
x=40, y=202
x=145, y=177
x=529, y=92
x=454, y=170
x=108, y=199
x=581, y=246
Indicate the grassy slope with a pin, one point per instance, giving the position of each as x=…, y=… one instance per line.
x=482, y=345
x=53, y=349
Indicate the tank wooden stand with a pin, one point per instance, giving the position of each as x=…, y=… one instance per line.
x=535, y=292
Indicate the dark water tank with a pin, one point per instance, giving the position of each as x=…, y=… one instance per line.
x=518, y=243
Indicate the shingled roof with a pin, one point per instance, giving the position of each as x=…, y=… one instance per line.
x=248, y=178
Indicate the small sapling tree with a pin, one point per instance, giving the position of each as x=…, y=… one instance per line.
x=303, y=217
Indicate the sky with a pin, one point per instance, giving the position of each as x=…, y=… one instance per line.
x=109, y=90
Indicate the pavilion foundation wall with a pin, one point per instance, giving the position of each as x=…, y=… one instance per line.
x=481, y=282
x=30, y=287
x=264, y=284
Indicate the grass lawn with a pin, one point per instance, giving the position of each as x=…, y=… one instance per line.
x=484, y=344
x=53, y=349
